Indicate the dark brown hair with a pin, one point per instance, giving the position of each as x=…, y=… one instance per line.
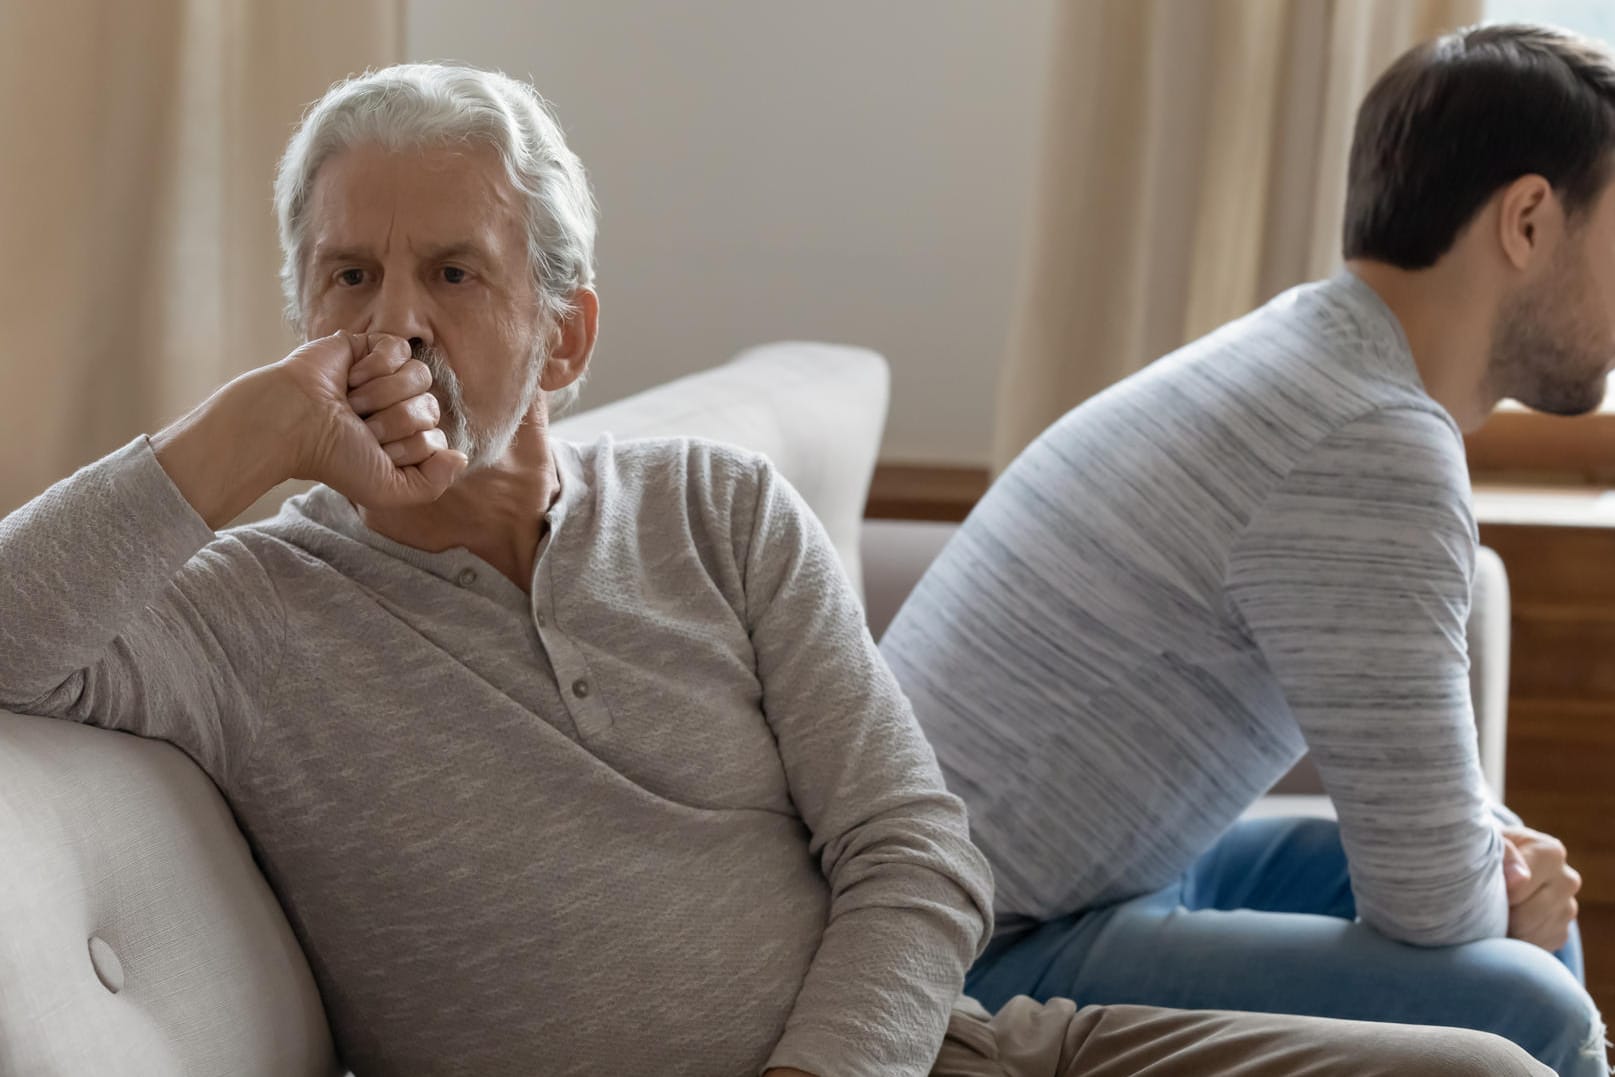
x=1456, y=119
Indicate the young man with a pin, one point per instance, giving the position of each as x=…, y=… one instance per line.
x=561, y=759
x=1263, y=545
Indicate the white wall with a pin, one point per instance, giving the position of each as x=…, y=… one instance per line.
x=849, y=170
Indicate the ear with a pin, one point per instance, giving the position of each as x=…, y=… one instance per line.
x=575, y=336
x=1529, y=220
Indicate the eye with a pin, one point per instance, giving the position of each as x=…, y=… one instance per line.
x=455, y=275
x=350, y=278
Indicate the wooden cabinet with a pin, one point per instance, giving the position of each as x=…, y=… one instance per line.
x=1560, y=554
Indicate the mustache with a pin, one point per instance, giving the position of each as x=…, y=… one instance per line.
x=442, y=374
x=446, y=387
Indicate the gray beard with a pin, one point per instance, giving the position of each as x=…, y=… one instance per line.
x=483, y=443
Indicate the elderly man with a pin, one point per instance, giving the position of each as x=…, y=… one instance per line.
x=561, y=759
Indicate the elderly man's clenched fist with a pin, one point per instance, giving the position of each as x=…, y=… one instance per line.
x=351, y=410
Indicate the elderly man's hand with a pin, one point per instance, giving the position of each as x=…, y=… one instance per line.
x=372, y=432
x=1542, y=887
x=351, y=410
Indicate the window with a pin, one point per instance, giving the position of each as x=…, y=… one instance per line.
x=1595, y=18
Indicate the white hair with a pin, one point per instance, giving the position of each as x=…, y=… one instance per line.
x=409, y=106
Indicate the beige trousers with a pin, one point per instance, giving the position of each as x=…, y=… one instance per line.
x=1055, y=1039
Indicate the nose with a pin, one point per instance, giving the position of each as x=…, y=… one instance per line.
x=399, y=308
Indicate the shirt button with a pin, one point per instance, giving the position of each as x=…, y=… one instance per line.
x=580, y=688
x=467, y=577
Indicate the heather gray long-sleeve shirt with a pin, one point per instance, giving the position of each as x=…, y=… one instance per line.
x=667, y=813
x=1258, y=545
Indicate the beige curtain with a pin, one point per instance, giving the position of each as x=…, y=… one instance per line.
x=139, y=143
x=1194, y=166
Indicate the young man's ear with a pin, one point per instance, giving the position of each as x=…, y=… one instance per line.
x=573, y=338
x=1529, y=220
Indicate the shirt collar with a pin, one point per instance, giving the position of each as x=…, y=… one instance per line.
x=1375, y=323
x=330, y=509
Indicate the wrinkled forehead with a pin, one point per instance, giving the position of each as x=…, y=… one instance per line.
x=385, y=202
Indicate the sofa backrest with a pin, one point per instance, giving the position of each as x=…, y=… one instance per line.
x=816, y=410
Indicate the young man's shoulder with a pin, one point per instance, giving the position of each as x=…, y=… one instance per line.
x=1275, y=382
x=1329, y=347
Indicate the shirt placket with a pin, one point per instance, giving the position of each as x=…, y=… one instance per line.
x=577, y=686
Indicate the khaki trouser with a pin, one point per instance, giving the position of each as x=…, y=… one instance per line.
x=1055, y=1039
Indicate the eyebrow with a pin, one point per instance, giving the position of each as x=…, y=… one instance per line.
x=449, y=251
x=441, y=252
x=323, y=255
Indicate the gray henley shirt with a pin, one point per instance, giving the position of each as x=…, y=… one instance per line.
x=666, y=813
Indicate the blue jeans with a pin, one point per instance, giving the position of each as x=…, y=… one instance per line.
x=1264, y=921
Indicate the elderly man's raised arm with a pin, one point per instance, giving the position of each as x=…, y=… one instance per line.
x=910, y=896
x=118, y=604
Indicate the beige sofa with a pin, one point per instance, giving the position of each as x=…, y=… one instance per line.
x=136, y=935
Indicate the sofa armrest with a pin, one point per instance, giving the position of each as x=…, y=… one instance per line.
x=1488, y=632
x=136, y=934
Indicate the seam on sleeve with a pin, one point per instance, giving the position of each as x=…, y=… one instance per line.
x=759, y=467
x=265, y=704
x=1260, y=511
